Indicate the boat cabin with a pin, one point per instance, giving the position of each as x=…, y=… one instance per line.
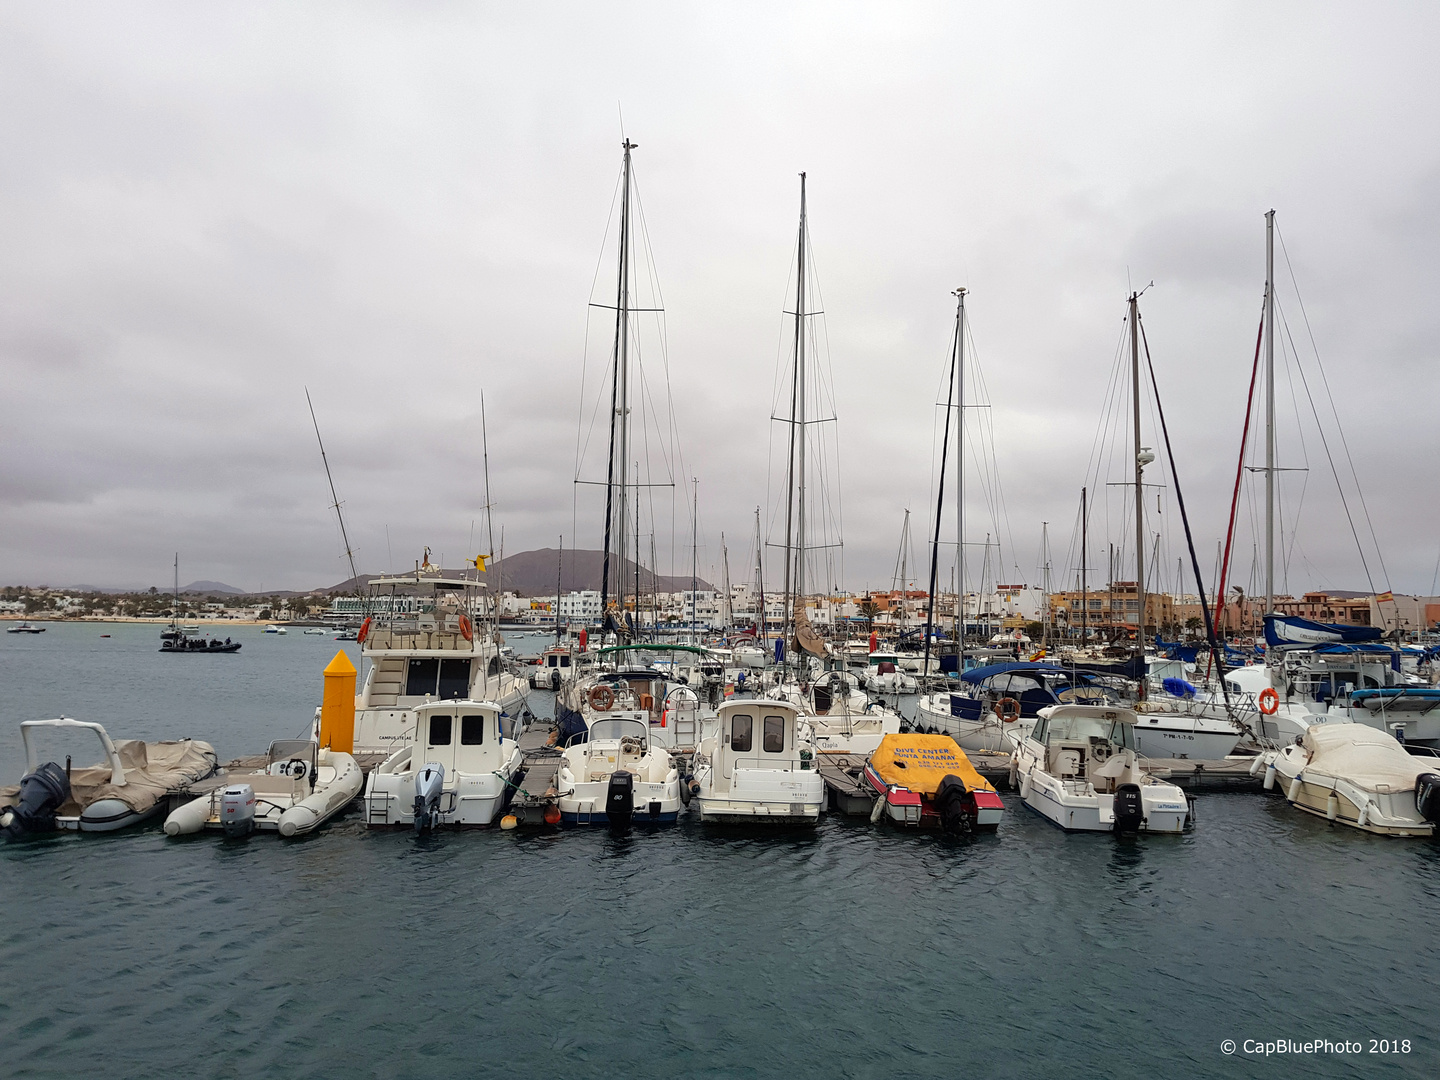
x=757, y=733
x=556, y=660
x=463, y=736
x=1085, y=744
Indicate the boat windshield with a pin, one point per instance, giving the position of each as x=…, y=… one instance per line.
x=1082, y=728
x=617, y=729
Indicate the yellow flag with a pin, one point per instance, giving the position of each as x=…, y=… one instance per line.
x=1385, y=597
x=479, y=562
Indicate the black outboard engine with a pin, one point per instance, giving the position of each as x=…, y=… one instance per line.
x=1427, y=796
x=1129, y=810
x=955, y=806
x=42, y=792
x=620, y=798
x=429, y=786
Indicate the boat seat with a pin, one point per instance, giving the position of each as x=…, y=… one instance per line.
x=1067, y=762
x=264, y=784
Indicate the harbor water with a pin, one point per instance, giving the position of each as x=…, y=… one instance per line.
x=847, y=951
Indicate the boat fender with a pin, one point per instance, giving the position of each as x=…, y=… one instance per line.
x=878, y=808
x=42, y=792
x=509, y=821
x=686, y=790
x=1269, y=701
x=1294, y=792
x=1270, y=776
x=1427, y=796
x=364, y=631
x=955, y=806
x=237, y=809
x=1256, y=764
x=1129, y=810
x=620, y=798
x=1332, y=807
x=1025, y=786
x=467, y=629
x=1364, y=817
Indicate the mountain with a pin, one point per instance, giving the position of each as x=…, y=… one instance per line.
x=213, y=588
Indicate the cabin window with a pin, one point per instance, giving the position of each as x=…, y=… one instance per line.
x=1041, y=728
x=472, y=730
x=439, y=731
x=420, y=680
x=741, y=726
x=454, y=679
x=564, y=661
x=774, y=738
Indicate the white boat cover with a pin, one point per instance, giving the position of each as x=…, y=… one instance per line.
x=1371, y=759
x=151, y=771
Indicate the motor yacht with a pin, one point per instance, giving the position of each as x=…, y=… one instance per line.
x=1080, y=768
x=617, y=775
x=756, y=765
x=1360, y=776
x=459, y=770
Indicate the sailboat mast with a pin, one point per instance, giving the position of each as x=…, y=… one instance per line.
x=1270, y=412
x=1045, y=584
x=760, y=585
x=694, y=559
x=1139, y=472
x=960, y=482
x=616, y=480
x=940, y=494
x=795, y=498
x=726, y=616
x=1084, y=566
x=559, y=574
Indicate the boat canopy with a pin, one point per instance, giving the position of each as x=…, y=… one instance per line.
x=920, y=762
x=979, y=674
x=1358, y=647
x=1292, y=632
x=653, y=646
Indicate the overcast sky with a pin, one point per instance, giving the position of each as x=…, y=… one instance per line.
x=207, y=208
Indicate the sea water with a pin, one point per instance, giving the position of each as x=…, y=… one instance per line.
x=844, y=951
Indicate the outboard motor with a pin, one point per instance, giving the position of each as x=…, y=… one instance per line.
x=237, y=810
x=1427, y=796
x=42, y=792
x=429, y=783
x=1129, y=810
x=955, y=805
x=620, y=798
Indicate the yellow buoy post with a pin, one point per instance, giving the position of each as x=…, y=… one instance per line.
x=337, y=707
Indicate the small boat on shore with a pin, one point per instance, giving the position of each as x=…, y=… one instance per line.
x=1360, y=776
x=926, y=781
x=129, y=786
x=300, y=788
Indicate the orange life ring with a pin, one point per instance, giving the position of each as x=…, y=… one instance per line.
x=1007, y=709
x=364, y=631
x=601, y=697
x=1269, y=701
x=467, y=631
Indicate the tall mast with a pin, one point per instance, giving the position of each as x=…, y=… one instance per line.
x=694, y=559
x=795, y=500
x=1084, y=568
x=1270, y=412
x=559, y=574
x=960, y=481
x=175, y=607
x=760, y=584
x=904, y=568
x=1045, y=584
x=617, y=478
x=940, y=495
x=1139, y=472
x=726, y=615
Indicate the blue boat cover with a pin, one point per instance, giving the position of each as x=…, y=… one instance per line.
x=1289, y=631
x=975, y=675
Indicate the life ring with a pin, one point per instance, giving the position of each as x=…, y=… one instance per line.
x=1269, y=701
x=467, y=631
x=601, y=697
x=1007, y=709
x=364, y=631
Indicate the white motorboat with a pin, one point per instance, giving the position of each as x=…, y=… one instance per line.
x=885, y=674
x=1079, y=767
x=617, y=775
x=756, y=766
x=627, y=686
x=300, y=788
x=424, y=641
x=556, y=665
x=316, y=630
x=459, y=770
x=837, y=715
x=129, y=786
x=1359, y=776
x=26, y=628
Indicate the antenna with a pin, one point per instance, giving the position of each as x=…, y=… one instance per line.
x=335, y=499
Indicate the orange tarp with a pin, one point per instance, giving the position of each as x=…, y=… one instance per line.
x=920, y=762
